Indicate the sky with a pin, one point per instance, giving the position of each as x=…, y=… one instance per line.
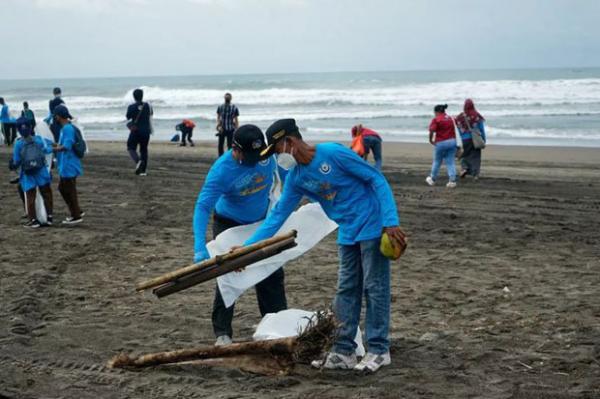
x=104, y=38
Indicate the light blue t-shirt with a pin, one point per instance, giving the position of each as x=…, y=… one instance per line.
x=41, y=177
x=236, y=191
x=69, y=165
x=5, y=115
x=351, y=192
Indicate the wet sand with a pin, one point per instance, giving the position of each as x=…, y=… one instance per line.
x=498, y=295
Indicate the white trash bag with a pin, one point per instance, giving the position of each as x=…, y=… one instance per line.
x=312, y=225
x=290, y=323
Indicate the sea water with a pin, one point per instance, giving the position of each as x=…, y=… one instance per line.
x=559, y=107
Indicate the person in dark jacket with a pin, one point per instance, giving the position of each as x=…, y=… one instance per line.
x=140, y=129
x=55, y=127
x=29, y=115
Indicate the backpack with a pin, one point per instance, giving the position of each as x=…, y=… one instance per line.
x=32, y=157
x=79, y=146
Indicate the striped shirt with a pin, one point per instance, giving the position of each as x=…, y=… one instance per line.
x=228, y=112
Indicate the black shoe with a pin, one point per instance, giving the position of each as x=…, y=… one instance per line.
x=32, y=224
x=72, y=221
x=138, y=168
x=192, y=144
x=14, y=180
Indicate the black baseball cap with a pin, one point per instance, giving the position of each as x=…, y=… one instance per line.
x=249, y=139
x=277, y=132
x=62, y=111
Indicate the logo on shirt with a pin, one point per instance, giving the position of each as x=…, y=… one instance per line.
x=256, y=144
x=264, y=163
x=325, y=168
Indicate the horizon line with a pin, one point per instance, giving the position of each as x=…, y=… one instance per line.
x=302, y=73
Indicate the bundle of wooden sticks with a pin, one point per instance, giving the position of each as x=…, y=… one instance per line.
x=209, y=269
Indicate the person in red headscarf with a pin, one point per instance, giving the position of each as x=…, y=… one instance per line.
x=470, y=122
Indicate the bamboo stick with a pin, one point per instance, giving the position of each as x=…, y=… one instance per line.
x=165, y=278
x=228, y=266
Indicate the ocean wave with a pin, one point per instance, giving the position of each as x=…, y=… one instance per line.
x=496, y=93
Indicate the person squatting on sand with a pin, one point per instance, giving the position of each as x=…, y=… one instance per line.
x=9, y=127
x=467, y=120
x=442, y=136
x=371, y=142
x=237, y=187
x=186, y=127
x=29, y=155
x=227, y=122
x=140, y=128
x=358, y=198
x=69, y=164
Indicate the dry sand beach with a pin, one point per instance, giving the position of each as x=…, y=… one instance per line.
x=498, y=295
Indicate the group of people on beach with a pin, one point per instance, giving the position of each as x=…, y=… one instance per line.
x=30, y=159
x=236, y=191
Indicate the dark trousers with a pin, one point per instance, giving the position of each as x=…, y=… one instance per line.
x=67, y=186
x=30, y=195
x=471, y=158
x=225, y=134
x=140, y=139
x=55, y=129
x=373, y=144
x=9, y=130
x=186, y=134
x=270, y=292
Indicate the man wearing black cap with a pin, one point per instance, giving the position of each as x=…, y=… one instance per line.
x=69, y=164
x=52, y=104
x=237, y=187
x=358, y=198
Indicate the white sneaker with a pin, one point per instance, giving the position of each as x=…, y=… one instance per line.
x=451, y=184
x=223, y=340
x=336, y=361
x=372, y=362
x=430, y=181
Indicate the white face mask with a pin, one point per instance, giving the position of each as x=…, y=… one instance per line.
x=286, y=161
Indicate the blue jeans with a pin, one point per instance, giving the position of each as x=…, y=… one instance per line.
x=363, y=269
x=444, y=151
x=373, y=143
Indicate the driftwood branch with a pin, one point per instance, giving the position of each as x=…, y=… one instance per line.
x=275, y=356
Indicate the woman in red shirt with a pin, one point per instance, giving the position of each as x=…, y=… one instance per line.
x=442, y=136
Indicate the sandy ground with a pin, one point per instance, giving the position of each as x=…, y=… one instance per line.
x=498, y=295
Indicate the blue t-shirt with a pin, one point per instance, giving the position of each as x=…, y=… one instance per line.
x=5, y=115
x=466, y=135
x=236, y=191
x=69, y=165
x=351, y=192
x=41, y=177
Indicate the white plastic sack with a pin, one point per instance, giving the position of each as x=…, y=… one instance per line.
x=290, y=323
x=312, y=225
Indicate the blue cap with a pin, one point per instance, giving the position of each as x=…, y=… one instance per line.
x=24, y=126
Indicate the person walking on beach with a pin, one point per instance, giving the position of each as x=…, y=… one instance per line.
x=371, y=142
x=186, y=127
x=237, y=187
x=442, y=136
x=29, y=155
x=470, y=122
x=52, y=104
x=8, y=124
x=29, y=115
x=227, y=122
x=69, y=164
x=140, y=129
x=358, y=198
